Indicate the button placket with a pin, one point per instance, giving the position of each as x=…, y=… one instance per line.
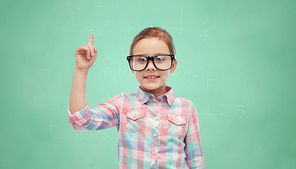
x=155, y=122
x=153, y=156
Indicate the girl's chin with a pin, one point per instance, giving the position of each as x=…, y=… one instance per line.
x=151, y=89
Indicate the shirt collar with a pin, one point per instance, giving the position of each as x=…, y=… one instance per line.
x=143, y=96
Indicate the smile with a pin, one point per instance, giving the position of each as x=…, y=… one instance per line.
x=151, y=77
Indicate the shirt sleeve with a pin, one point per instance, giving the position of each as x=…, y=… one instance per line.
x=193, y=148
x=105, y=115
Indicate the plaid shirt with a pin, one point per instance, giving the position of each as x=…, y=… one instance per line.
x=153, y=133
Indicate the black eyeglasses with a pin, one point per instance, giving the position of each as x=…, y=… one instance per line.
x=161, y=62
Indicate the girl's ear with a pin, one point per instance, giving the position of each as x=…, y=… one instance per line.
x=174, y=65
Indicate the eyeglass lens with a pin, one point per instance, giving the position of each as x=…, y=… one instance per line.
x=161, y=62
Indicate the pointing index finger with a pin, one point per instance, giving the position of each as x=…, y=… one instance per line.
x=91, y=39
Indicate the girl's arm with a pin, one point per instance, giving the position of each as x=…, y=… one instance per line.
x=85, y=56
x=193, y=148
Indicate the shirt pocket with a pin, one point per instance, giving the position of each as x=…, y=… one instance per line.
x=176, y=125
x=135, y=120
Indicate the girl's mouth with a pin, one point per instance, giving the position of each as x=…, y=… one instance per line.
x=151, y=77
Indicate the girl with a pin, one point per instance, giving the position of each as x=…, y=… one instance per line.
x=156, y=128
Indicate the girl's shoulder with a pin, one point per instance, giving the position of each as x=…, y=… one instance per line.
x=127, y=95
x=184, y=102
x=123, y=97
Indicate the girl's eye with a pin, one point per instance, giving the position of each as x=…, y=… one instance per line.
x=159, y=58
x=142, y=59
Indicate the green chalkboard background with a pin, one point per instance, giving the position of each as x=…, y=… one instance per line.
x=236, y=62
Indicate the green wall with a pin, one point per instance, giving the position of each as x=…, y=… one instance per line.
x=236, y=62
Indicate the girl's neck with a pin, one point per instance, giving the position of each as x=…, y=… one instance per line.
x=156, y=92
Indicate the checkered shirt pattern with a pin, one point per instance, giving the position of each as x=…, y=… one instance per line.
x=152, y=133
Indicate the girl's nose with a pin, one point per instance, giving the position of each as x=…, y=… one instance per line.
x=150, y=66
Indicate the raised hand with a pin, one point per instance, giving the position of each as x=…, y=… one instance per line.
x=86, y=55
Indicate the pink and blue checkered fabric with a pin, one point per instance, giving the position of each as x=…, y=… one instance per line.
x=152, y=133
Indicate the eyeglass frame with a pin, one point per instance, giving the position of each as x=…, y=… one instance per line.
x=151, y=58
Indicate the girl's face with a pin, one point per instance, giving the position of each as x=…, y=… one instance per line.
x=152, y=80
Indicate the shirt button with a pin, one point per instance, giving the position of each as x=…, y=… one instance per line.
x=135, y=115
x=155, y=134
x=155, y=118
x=154, y=152
x=156, y=104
